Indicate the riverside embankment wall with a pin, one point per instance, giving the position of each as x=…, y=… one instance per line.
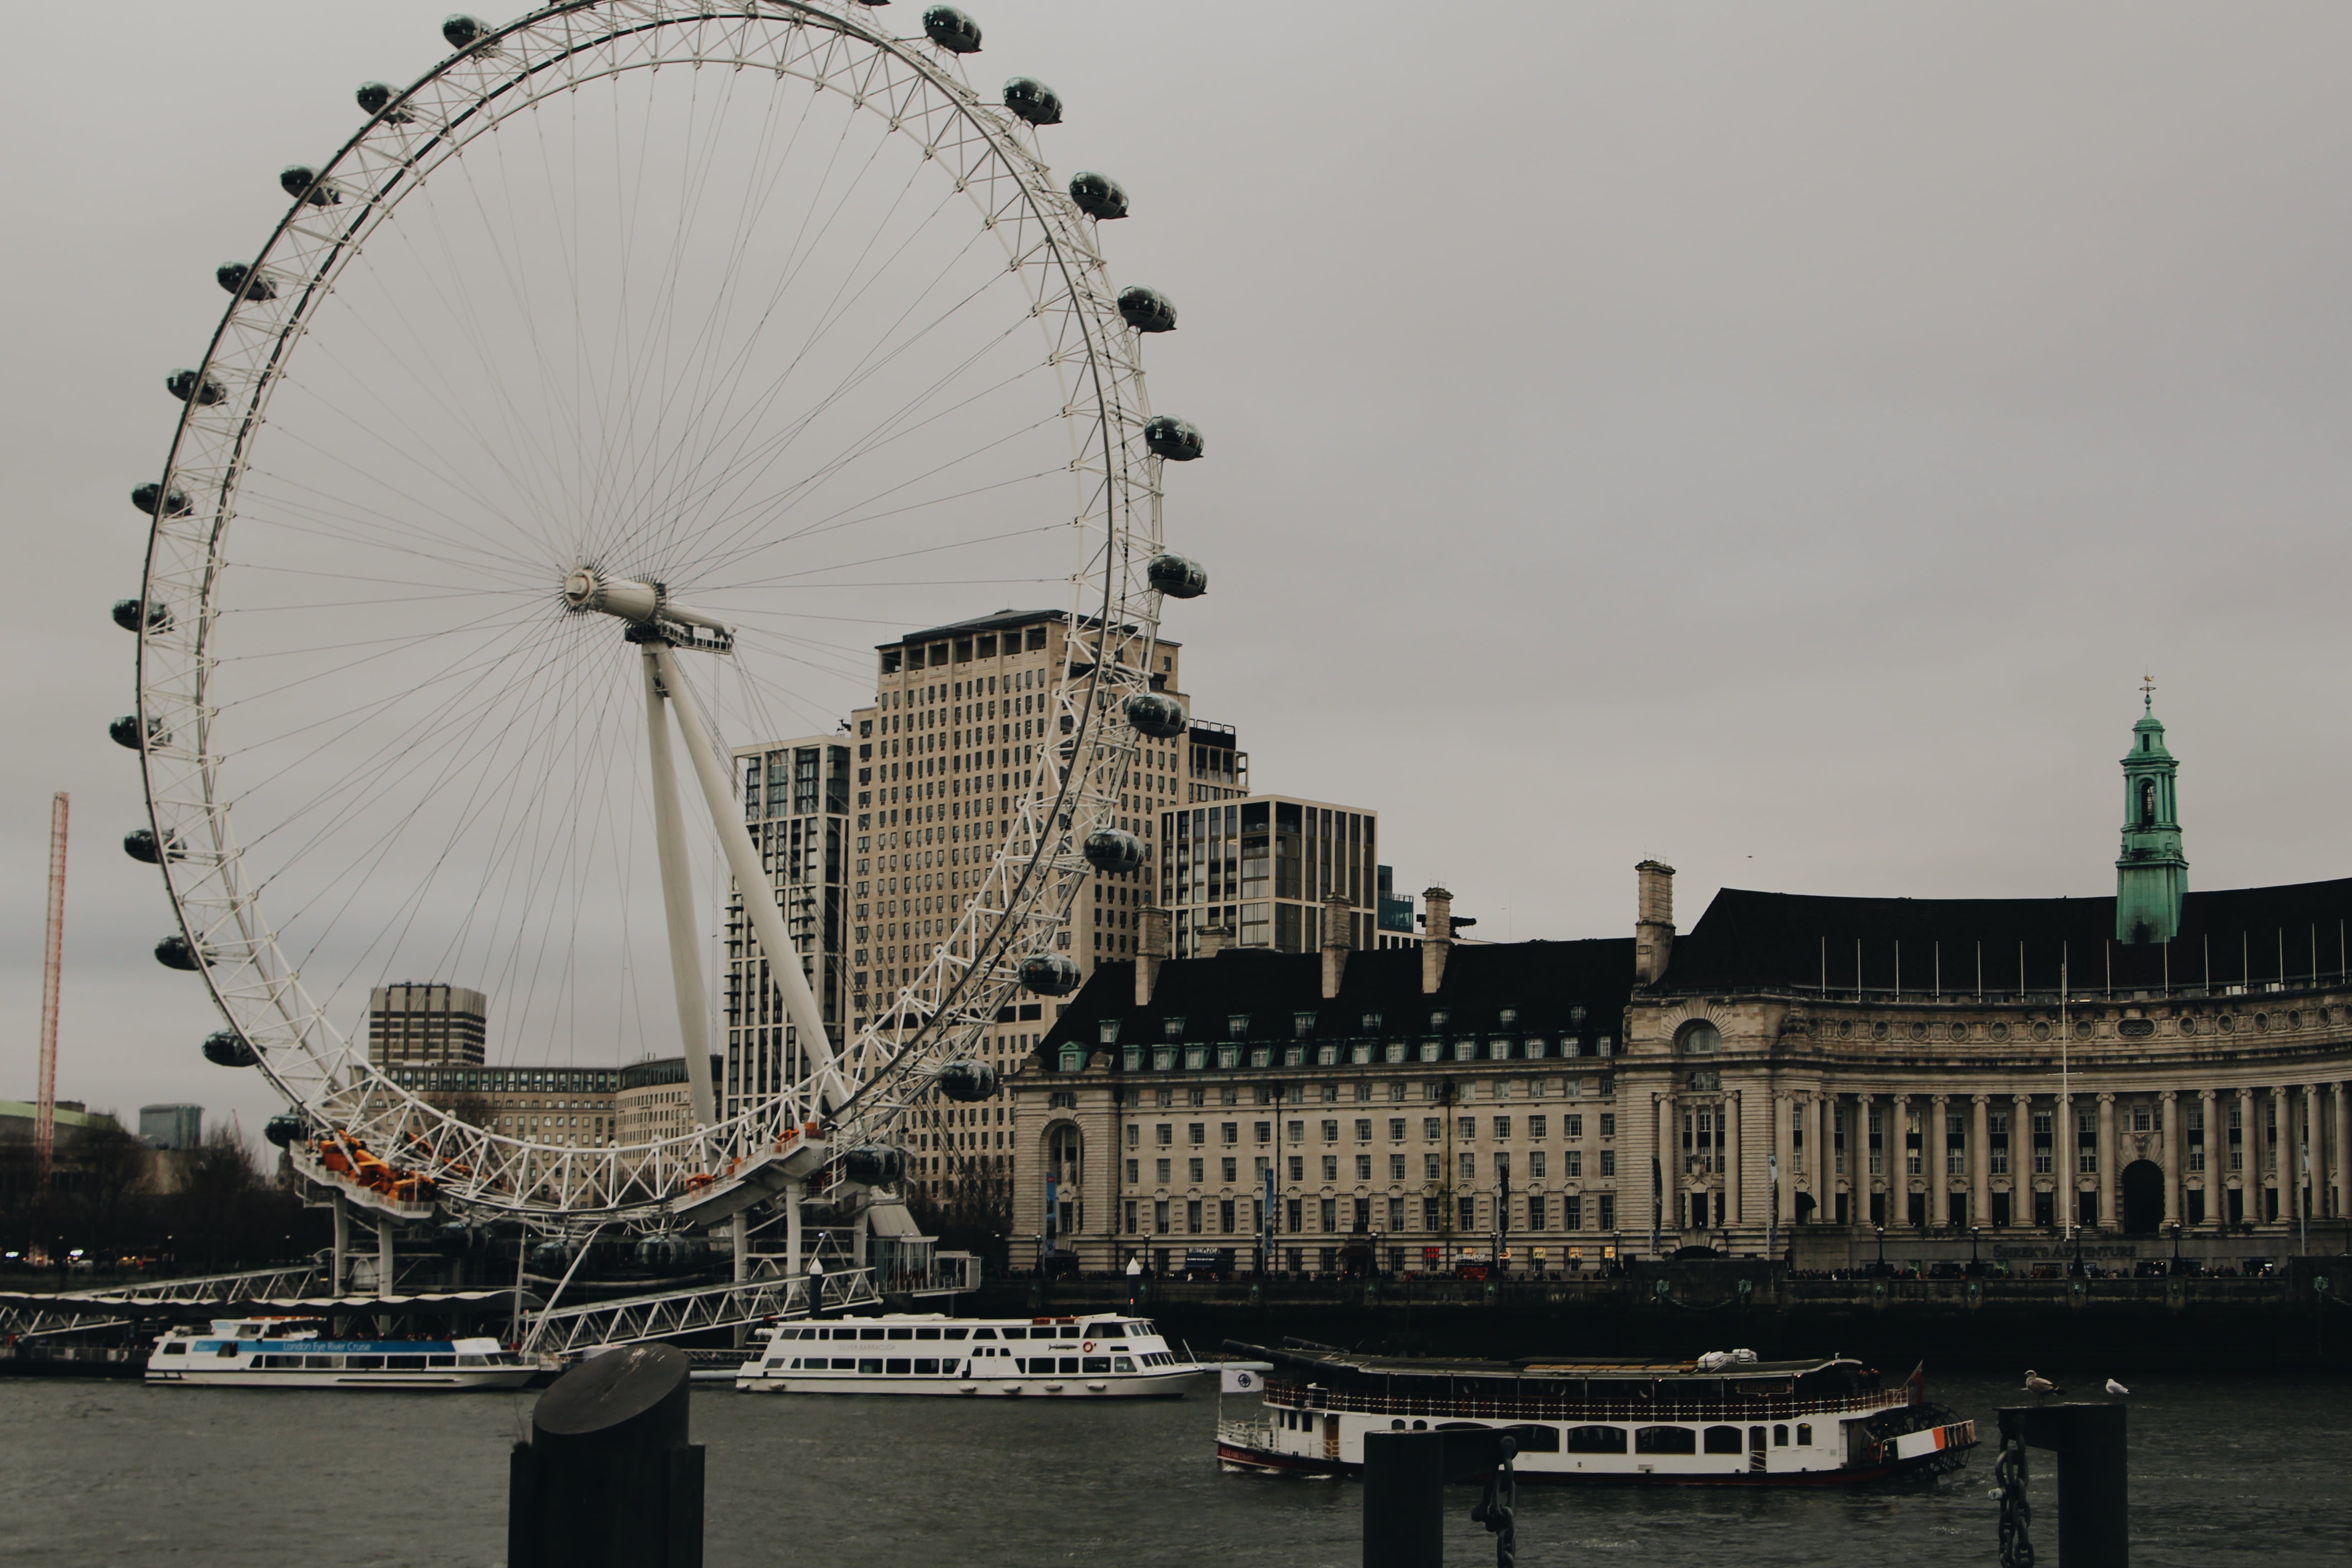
x=2301, y=1317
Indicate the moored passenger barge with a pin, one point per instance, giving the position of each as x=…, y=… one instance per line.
x=1724, y=1419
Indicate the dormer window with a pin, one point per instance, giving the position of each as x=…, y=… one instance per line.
x=1171, y=1028
x=1576, y=1014
x=1108, y=1032
x=1302, y=1025
x=1508, y=1017
x=1237, y=1026
x=1371, y=1022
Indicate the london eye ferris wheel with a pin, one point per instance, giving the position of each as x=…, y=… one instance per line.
x=602, y=402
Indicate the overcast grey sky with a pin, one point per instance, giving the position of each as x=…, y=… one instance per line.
x=1776, y=438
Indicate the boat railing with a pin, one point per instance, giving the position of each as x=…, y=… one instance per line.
x=1525, y=1407
x=1246, y=1434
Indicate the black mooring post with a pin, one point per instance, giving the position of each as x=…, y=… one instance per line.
x=2093, y=1500
x=1404, y=1500
x=1405, y=1477
x=608, y=1478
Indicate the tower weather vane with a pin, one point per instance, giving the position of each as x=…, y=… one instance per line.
x=2148, y=692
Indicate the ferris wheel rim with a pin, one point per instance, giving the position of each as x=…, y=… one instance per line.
x=267, y=979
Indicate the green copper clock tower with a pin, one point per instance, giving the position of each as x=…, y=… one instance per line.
x=2151, y=875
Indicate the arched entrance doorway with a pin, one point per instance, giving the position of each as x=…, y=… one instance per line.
x=2143, y=1197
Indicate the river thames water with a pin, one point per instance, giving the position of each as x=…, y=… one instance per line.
x=2221, y=1470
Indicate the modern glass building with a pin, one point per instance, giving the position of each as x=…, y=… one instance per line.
x=1258, y=870
x=796, y=801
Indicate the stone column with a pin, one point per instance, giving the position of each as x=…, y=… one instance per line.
x=1669, y=1196
x=2341, y=1150
x=2250, y=1144
x=2315, y=1141
x=2020, y=1159
x=1938, y=1147
x=1817, y=1153
x=2217, y=1154
x=1734, y=1189
x=2168, y=1104
x=1785, y=1109
x=1980, y=1159
x=2107, y=1217
x=1895, y=1156
x=2063, y=1160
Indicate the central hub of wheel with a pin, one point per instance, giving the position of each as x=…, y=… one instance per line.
x=585, y=589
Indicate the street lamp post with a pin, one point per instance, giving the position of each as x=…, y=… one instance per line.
x=1882, y=1249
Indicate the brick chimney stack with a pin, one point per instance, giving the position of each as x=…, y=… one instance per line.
x=1150, y=953
x=1339, y=941
x=1209, y=941
x=1436, y=937
x=1653, y=921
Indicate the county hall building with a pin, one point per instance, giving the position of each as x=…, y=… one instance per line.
x=2161, y=1068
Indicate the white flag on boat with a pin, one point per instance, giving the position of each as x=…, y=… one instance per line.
x=1237, y=1381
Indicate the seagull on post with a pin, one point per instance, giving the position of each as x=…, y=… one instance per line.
x=2040, y=1386
x=2117, y=1389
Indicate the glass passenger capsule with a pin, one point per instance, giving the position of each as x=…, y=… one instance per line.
x=1157, y=714
x=967, y=1081
x=174, y=952
x=125, y=731
x=1114, y=850
x=1177, y=440
x=302, y=183
x=1146, y=309
x=463, y=31
x=284, y=1128
x=149, y=495
x=187, y=387
x=1032, y=100
x=875, y=1164
x=1098, y=195
x=1177, y=576
x=127, y=616
x=244, y=282
x=952, y=30
x=375, y=96
x=1049, y=973
x=226, y=1048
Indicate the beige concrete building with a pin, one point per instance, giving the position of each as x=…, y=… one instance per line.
x=425, y=1023
x=961, y=715
x=570, y=1107
x=651, y=1101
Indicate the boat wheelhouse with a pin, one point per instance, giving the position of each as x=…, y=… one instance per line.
x=287, y=1352
x=1726, y=1419
x=1096, y=1357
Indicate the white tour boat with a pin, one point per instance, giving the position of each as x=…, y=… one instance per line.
x=1726, y=1419
x=1099, y=1357
x=287, y=1352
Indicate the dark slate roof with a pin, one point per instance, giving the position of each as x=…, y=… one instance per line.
x=1542, y=981
x=1749, y=940
x=999, y=620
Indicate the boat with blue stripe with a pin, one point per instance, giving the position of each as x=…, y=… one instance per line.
x=287, y=1353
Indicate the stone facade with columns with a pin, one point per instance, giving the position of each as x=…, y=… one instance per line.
x=2002, y=1067
x=1818, y=1078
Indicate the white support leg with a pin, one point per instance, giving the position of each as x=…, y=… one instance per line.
x=342, y=1243
x=751, y=880
x=383, y=1255
x=796, y=1193
x=677, y=897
